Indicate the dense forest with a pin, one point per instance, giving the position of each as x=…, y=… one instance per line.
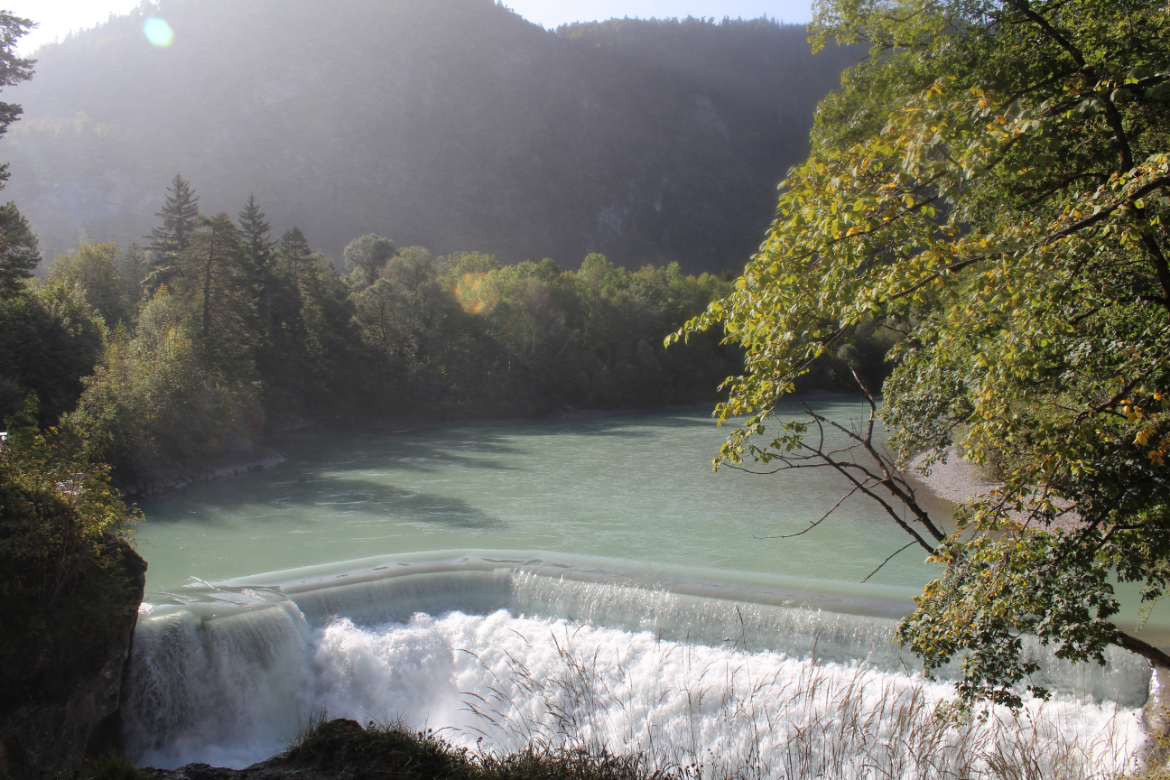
x=218, y=331
x=455, y=125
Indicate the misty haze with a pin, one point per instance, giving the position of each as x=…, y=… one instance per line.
x=399, y=388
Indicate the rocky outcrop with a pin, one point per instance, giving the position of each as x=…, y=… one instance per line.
x=73, y=712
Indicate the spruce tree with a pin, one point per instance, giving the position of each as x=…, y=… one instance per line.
x=294, y=250
x=178, y=221
x=18, y=245
x=254, y=230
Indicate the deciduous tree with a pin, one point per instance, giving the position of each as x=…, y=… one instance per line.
x=365, y=257
x=95, y=269
x=993, y=183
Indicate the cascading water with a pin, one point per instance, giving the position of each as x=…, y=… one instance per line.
x=681, y=625
x=496, y=651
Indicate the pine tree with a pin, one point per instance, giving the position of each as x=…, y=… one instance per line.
x=178, y=216
x=294, y=250
x=18, y=245
x=255, y=230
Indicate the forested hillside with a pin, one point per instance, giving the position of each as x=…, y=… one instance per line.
x=453, y=124
x=219, y=332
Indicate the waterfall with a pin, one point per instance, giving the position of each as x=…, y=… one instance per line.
x=496, y=651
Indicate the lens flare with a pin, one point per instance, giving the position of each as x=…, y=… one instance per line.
x=158, y=32
x=477, y=293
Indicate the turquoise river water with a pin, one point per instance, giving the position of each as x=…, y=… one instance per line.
x=586, y=581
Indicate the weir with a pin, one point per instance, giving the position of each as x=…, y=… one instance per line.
x=505, y=647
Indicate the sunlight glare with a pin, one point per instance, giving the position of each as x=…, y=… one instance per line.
x=477, y=293
x=158, y=32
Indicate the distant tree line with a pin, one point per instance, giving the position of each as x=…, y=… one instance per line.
x=452, y=124
x=217, y=330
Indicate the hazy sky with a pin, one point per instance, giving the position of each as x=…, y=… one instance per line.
x=58, y=17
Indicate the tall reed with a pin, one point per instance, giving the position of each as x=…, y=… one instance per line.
x=825, y=722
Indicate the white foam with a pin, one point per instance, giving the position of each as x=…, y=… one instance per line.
x=228, y=691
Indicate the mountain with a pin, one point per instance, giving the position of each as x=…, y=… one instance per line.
x=452, y=124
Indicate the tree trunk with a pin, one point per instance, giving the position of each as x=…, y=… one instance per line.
x=207, y=287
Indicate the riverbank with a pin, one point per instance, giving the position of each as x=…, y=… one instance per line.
x=154, y=481
x=959, y=481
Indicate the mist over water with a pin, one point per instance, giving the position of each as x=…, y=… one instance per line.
x=653, y=616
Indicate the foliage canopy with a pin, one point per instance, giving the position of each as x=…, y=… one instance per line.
x=992, y=184
x=65, y=583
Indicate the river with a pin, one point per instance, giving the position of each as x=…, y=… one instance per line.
x=588, y=581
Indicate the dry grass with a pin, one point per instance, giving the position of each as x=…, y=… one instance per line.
x=343, y=748
x=818, y=725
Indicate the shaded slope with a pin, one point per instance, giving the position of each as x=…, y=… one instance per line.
x=454, y=124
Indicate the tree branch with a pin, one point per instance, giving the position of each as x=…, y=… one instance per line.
x=887, y=560
x=1107, y=211
x=1152, y=654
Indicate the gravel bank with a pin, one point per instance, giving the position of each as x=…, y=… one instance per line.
x=960, y=481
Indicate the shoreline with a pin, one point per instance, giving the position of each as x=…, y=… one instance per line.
x=959, y=481
x=181, y=475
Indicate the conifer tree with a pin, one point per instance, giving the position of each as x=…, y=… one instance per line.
x=219, y=279
x=178, y=222
x=294, y=250
x=13, y=69
x=18, y=245
x=254, y=230
x=18, y=250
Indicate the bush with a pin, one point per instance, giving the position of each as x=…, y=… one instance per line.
x=155, y=399
x=62, y=577
x=112, y=766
